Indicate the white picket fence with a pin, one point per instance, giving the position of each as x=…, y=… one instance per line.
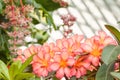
x=91, y=16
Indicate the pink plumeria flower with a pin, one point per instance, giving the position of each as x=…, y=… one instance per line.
x=70, y=45
x=77, y=41
x=93, y=48
x=31, y=50
x=41, y=63
x=95, y=45
x=104, y=39
x=51, y=48
x=24, y=54
x=80, y=67
x=20, y=56
x=62, y=63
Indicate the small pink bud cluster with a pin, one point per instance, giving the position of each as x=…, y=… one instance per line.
x=67, y=57
x=17, y=16
x=68, y=21
x=17, y=38
x=17, y=22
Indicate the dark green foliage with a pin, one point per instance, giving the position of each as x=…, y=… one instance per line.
x=49, y=5
x=4, y=46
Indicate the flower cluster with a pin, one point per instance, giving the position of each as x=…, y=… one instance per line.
x=67, y=57
x=17, y=15
x=17, y=38
x=17, y=22
x=68, y=21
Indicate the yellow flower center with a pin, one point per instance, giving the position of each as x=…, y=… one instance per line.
x=44, y=63
x=63, y=63
x=51, y=53
x=96, y=52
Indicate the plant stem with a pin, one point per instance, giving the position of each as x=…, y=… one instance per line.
x=21, y=3
x=12, y=2
x=92, y=74
x=66, y=78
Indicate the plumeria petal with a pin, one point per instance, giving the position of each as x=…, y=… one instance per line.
x=102, y=34
x=59, y=43
x=95, y=61
x=51, y=45
x=54, y=66
x=70, y=41
x=35, y=66
x=83, y=71
x=60, y=73
x=64, y=55
x=27, y=53
x=19, y=52
x=65, y=44
x=109, y=40
x=86, y=65
x=47, y=56
x=44, y=73
x=46, y=48
x=70, y=61
x=41, y=54
x=86, y=47
x=73, y=72
x=39, y=71
x=67, y=72
x=32, y=49
x=57, y=58
x=78, y=74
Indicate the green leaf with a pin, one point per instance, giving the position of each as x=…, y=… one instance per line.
x=32, y=2
x=49, y=5
x=49, y=18
x=114, y=31
x=115, y=74
x=106, y=53
x=110, y=53
x=1, y=6
x=103, y=72
x=22, y=76
x=14, y=69
x=50, y=21
x=4, y=44
x=26, y=63
x=41, y=35
x=2, y=77
x=4, y=70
